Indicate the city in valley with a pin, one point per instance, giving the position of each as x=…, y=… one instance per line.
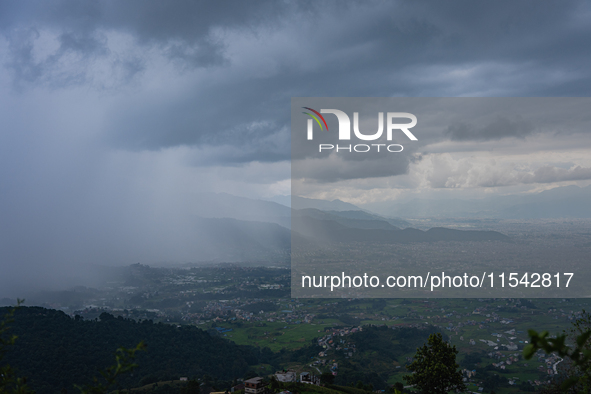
x=364, y=342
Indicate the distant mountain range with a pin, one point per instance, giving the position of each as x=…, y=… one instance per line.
x=232, y=228
x=324, y=205
x=355, y=219
x=223, y=205
x=560, y=202
x=332, y=231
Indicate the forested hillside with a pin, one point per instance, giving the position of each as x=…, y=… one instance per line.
x=55, y=351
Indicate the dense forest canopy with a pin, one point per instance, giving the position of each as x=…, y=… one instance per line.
x=56, y=351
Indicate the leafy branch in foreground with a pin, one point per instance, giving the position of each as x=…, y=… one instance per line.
x=580, y=355
x=123, y=364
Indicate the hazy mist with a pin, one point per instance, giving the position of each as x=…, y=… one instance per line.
x=117, y=117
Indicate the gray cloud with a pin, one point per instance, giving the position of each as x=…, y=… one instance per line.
x=497, y=129
x=71, y=61
x=467, y=174
x=342, y=167
x=545, y=174
x=549, y=174
x=181, y=29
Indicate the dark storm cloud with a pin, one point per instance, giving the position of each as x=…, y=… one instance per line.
x=26, y=68
x=182, y=28
x=239, y=115
x=149, y=20
x=363, y=51
x=340, y=49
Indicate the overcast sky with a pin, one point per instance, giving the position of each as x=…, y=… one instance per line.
x=115, y=113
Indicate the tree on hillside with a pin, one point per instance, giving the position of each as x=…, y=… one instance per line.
x=397, y=388
x=123, y=364
x=327, y=378
x=435, y=368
